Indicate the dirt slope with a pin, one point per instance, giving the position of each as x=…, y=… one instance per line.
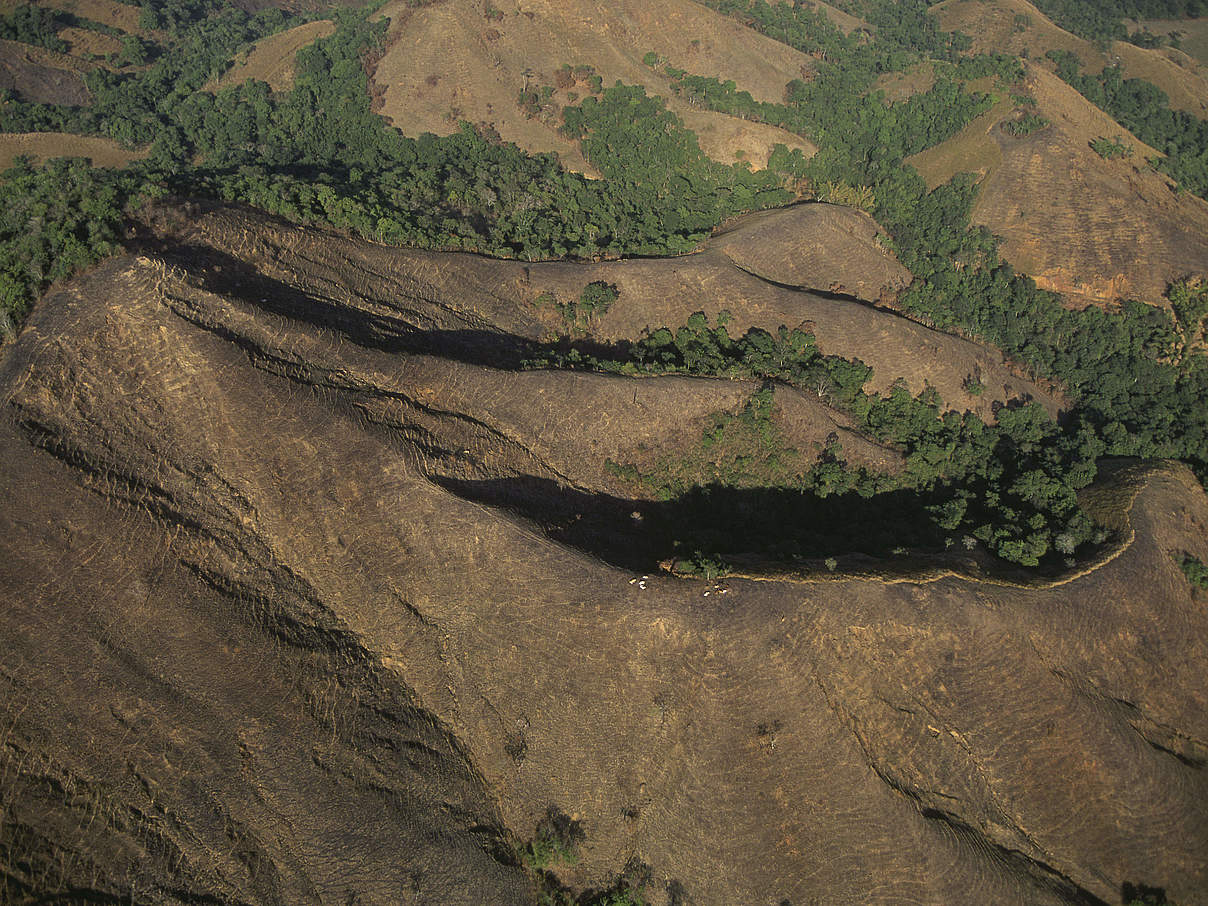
x=272, y=59
x=260, y=647
x=994, y=27
x=1092, y=229
x=448, y=62
x=813, y=248
x=103, y=152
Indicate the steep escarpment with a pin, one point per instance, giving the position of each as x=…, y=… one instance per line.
x=338, y=648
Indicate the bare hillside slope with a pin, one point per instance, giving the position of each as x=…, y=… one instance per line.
x=270, y=639
x=449, y=62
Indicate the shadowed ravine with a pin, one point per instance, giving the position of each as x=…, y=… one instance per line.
x=302, y=607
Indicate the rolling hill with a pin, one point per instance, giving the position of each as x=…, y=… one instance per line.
x=408, y=499
x=449, y=62
x=346, y=651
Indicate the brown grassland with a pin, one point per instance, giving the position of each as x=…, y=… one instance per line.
x=449, y=62
x=103, y=152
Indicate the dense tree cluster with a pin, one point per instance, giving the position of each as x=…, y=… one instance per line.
x=54, y=221
x=36, y=25
x=1011, y=485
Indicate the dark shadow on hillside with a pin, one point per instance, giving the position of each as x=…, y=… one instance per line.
x=765, y=526
x=407, y=331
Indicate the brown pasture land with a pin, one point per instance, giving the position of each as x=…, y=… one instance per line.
x=290, y=571
x=846, y=22
x=1091, y=229
x=271, y=59
x=447, y=62
x=103, y=152
x=972, y=150
x=993, y=25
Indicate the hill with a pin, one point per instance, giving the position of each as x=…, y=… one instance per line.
x=1018, y=27
x=449, y=62
x=354, y=640
x=1094, y=230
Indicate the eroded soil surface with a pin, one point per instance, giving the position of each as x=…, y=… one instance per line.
x=287, y=619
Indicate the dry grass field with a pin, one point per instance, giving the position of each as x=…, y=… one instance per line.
x=972, y=150
x=1194, y=34
x=1018, y=27
x=448, y=62
x=1092, y=229
x=272, y=59
x=846, y=22
x=103, y=152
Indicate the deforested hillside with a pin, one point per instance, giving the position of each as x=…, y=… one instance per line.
x=360, y=631
x=455, y=61
x=1093, y=229
x=575, y=454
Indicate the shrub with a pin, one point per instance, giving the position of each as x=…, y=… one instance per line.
x=1110, y=149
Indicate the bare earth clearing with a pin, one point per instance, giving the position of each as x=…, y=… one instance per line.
x=448, y=63
x=338, y=666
